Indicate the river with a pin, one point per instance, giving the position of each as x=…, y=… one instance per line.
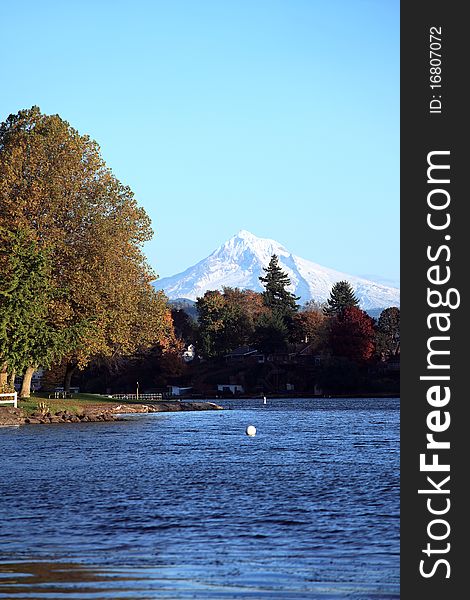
x=185, y=505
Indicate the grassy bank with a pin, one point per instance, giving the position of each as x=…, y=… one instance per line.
x=75, y=405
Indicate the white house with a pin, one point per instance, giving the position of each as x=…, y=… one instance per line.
x=189, y=353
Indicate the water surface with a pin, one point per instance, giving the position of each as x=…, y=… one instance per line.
x=185, y=505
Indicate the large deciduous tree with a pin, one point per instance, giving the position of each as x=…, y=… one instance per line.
x=55, y=186
x=243, y=310
x=227, y=320
x=352, y=335
x=310, y=326
x=210, y=308
x=33, y=330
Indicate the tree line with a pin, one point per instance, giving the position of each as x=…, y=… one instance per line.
x=272, y=320
x=352, y=346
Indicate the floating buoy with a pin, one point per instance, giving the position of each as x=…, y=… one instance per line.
x=264, y=399
x=251, y=430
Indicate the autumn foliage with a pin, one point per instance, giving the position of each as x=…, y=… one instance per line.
x=56, y=190
x=352, y=335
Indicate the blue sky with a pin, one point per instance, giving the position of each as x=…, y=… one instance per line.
x=279, y=117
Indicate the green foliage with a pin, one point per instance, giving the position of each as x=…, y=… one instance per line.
x=226, y=320
x=75, y=406
x=29, y=334
x=276, y=296
x=271, y=332
x=341, y=297
x=211, y=308
x=387, y=338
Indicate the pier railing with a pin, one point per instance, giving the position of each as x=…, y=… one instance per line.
x=137, y=397
x=13, y=398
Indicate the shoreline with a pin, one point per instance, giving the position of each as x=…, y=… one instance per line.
x=293, y=395
x=11, y=417
x=114, y=411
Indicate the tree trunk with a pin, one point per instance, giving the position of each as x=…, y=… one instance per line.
x=3, y=375
x=70, y=370
x=26, y=385
x=11, y=379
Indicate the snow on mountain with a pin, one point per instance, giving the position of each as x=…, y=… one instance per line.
x=239, y=263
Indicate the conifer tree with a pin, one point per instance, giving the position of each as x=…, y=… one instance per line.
x=387, y=339
x=275, y=295
x=341, y=297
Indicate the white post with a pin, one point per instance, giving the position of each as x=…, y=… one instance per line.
x=9, y=395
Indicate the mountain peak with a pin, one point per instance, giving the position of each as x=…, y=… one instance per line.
x=245, y=235
x=240, y=261
x=247, y=251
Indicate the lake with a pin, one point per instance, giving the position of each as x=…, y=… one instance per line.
x=185, y=505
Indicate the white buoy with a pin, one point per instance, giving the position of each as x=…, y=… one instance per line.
x=264, y=399
x=251, y=430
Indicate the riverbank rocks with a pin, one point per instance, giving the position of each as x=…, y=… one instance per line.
x=10, y=416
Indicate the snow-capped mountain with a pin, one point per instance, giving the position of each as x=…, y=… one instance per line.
x=240, y=261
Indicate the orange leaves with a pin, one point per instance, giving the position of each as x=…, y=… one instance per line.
x=55, y=184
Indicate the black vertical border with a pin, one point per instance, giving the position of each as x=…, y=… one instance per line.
x=422, y=132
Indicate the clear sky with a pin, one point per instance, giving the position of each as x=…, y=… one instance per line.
x=279, y=117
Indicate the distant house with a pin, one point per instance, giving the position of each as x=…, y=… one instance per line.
x=178, y=390
x=189, y=354
x=241, y=354
x=310, y=354
x=294, y=353
x=233, y=388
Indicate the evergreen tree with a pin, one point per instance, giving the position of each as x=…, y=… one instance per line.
x=341, y=297
x=387, y=338
x=276, y=296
